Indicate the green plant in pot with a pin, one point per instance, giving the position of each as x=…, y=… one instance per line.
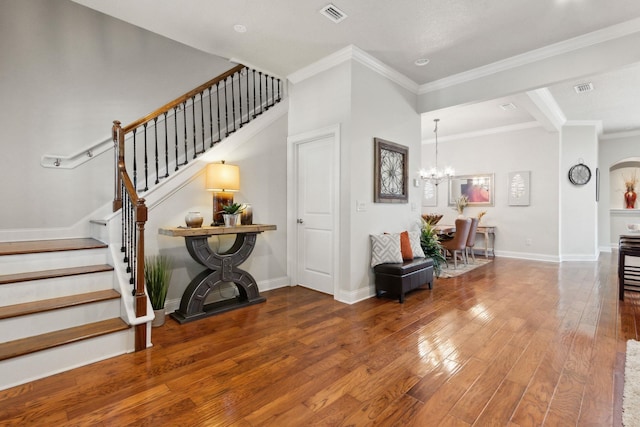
x=231, y=214
x=431, y=246
x=157, y=274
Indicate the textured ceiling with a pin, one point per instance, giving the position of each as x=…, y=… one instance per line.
x=284, y=36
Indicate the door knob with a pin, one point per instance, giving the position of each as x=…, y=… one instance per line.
x=299, y=221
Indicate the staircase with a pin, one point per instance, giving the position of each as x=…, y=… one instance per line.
x=58, y=308
x=62, y=302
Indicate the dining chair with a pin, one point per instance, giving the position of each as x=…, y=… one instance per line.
x=459, y=242
x=471, y=239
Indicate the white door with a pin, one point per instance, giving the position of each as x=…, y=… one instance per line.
x=316, y=175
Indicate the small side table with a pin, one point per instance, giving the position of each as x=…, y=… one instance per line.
x=221, y=268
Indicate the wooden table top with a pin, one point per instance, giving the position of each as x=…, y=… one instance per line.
x=214, y=231
x=443, y=229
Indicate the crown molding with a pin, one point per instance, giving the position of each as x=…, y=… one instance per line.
x=566, y=46
x=484, y=132
x=354, y=53
x=620, y=135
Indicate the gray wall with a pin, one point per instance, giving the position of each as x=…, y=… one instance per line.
x=66, y=73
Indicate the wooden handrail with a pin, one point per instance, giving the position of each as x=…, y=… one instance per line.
x=181, y=99
x=250, y=94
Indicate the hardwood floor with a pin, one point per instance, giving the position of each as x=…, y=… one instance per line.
x=513, y=343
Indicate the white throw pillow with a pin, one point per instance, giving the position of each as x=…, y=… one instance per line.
x=416, y=248
x=385, y=248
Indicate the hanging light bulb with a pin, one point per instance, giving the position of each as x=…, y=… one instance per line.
x=435, y=175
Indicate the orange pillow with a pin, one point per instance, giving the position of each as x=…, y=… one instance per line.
x=405, y=246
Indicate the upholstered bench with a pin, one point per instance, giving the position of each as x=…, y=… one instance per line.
x=400, y=278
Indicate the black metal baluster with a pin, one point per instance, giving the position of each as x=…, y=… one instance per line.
x=125, y=213
x=135, y=160
x=248, y=109
x=226, y=111
x=218, y=107
x=123, y=228
x=193, y=118
x=210, y=120
x=186, y=140
x=268, y=100
x=260, y=91
x=233, y=105
x=166, y=146
x=175, y=131
x=279, y=88
x=155, y=131
x=254, y=94
x=240, y=94
x=146, y=161
x=273, y=98
x=129, y=238
x=134, y=254
x=202, y=121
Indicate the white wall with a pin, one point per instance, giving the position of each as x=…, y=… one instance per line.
x=578, y=206
x=67, y=73
x=365, y=105
x=262, y=162
x=315, y=103
x=383, y=109
x=534, y=150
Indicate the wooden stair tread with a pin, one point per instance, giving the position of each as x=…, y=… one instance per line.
x=49, y=274
x=57, y=303
x=29, y=345
x=37, y=246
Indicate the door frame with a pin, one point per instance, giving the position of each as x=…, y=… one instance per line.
x=292, y=201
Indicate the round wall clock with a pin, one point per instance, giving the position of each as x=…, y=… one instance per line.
x=579, y=174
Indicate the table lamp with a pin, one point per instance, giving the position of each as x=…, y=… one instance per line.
x=223, y=180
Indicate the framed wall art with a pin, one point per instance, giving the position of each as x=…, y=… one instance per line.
x=519, y=188
x=478, y=189
x=390, y=174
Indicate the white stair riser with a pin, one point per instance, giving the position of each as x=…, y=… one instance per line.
x=21, y=370
x=36, y=290
x=40, y=323
x=12, y=264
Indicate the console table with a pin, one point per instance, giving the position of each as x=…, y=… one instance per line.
x=488, y=231
x=221, y=268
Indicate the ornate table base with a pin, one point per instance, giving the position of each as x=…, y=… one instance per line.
x=221, y=269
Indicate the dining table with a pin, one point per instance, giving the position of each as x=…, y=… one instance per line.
x=488, y=231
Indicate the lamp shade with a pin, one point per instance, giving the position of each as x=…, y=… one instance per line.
x=222, y=177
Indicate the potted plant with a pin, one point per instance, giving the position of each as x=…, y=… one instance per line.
x=157, y=274
x=231, y=214
x=431, y=246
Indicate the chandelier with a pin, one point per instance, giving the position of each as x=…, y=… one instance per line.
x=435, y=175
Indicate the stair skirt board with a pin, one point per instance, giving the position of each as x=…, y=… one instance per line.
x=22, y=292
x=23, y=369
x=15, y=328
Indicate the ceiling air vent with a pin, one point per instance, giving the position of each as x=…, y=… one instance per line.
x=333, y=13
x=583, y=87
